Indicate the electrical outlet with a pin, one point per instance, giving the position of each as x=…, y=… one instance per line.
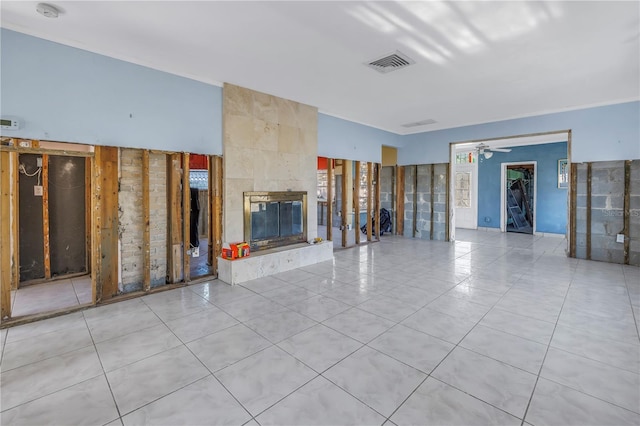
x=39, y=161
x=620, y=238
x=37, y=190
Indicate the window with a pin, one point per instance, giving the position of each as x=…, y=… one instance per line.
x=463, y=190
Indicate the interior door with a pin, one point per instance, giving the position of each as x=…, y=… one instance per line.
x=466, y=194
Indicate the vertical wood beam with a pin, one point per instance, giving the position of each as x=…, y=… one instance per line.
x=216, y=211
x=45, y=216
x=400, y=199
x=369, y=200
x=573, y=198
x=415, y=200
x=627, y=210
x=329, y=199
x=211, y=216
x=588, y=218
x=14, y=191
x=447, y=203
x=376, y=183
x=186, y=219
x=146, y=234
x=5, y=236
x=105, y=223
x=343, y=209
x=174, y=219
x=432, y=191
x=356, y=201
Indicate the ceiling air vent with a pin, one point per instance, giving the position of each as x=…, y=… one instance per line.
x=420, y=123
x=392, y=62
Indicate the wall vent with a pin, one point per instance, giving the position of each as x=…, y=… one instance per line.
x=420, y=123
x=391, y=62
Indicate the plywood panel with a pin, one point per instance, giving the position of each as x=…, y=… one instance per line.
x=66, y=185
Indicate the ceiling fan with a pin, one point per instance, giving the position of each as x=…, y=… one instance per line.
x=487, y=151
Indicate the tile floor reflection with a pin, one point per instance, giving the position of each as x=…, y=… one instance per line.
x=493, y=329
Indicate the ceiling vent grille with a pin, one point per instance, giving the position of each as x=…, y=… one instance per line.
x=391, y=62
x=420, y=123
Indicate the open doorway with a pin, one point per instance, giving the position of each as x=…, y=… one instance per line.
x=198, y=216
x=518, y=201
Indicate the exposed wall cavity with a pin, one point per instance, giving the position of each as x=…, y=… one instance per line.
x=425, y=201
x=130, y=215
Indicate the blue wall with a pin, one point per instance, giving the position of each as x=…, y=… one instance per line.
x=338, y=138
x=66, y=94
x=551, y=201
x=603, y=133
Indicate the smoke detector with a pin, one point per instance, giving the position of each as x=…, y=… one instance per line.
x=391, y=62
x=47, y=10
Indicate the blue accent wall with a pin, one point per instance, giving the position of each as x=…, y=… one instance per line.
x=551, y=201
x=66, y=94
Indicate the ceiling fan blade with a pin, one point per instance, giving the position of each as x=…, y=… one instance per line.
x=501, y=149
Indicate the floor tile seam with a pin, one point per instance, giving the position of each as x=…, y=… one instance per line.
x=66, y=352
x=361, y=345
x=127, y=333
x=512, y=334
x=54, y=392
x=205, y=335
x=353, y=338
x=360, y=400
x=598, y=336
x=527, y=316
x=544, y=358
x=333, y=315
x=281, y=340
x=636, y=373
x=633, y=313
x=6, y=338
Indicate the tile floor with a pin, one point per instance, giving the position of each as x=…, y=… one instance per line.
x=51, y=296
x=494, y=329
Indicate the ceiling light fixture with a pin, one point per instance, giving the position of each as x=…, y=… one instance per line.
x=47, y=10
x=488, y=154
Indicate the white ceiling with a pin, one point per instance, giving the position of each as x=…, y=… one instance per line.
x=476, y=62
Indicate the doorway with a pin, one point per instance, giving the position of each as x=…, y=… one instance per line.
x=466, y=189
x=199, y=264
x=518, y=195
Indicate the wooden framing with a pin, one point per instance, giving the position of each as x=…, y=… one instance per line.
x=45, y=217
x=588, y=216
x=377, y=169
x=572, y=209
x=330, y=199
x=627, y=211
x=343, y=207
x=356, y=201
x=105, y=222
x=186, y=219
x=15, y=220
x=5, y=236
x=400, y=200
x=415, y=200
x=432, y=191
x=146, y=223
x=369, y=200
x=88, y=172
x=447, y=204
x=215, y=211
x=174, y=219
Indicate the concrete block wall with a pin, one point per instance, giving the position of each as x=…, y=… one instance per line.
x=130, y=220
x=440, y=202
x=409, y=173
x=426, y=201
x=158, y=218
x=607, y=211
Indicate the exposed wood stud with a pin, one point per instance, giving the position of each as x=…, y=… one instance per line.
x=15, y=220
x=96, y=228
x=588, y=218
x=40, y=151
x=186, y=219
x=146, y=231
x=447, y=203
x=217, y=210
x=45, y=216
x=87, y=217
x=415, y=201
x=572, y=208
x=400, y=174
x=109, y=215
x=376, y=212
x=329, y=199
x=343, y=208
x=211, y=182
x=5, y=237
x=627, y=210
x=369, y=200
x=174, y=219
x=432, y=191
x=356, y=202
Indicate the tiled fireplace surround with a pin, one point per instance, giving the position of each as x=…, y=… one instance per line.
x=270, y=144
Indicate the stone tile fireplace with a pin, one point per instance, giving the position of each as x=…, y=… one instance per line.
x=270, y=149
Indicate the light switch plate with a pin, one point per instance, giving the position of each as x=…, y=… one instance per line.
x=620, y=238
x=37, y=190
